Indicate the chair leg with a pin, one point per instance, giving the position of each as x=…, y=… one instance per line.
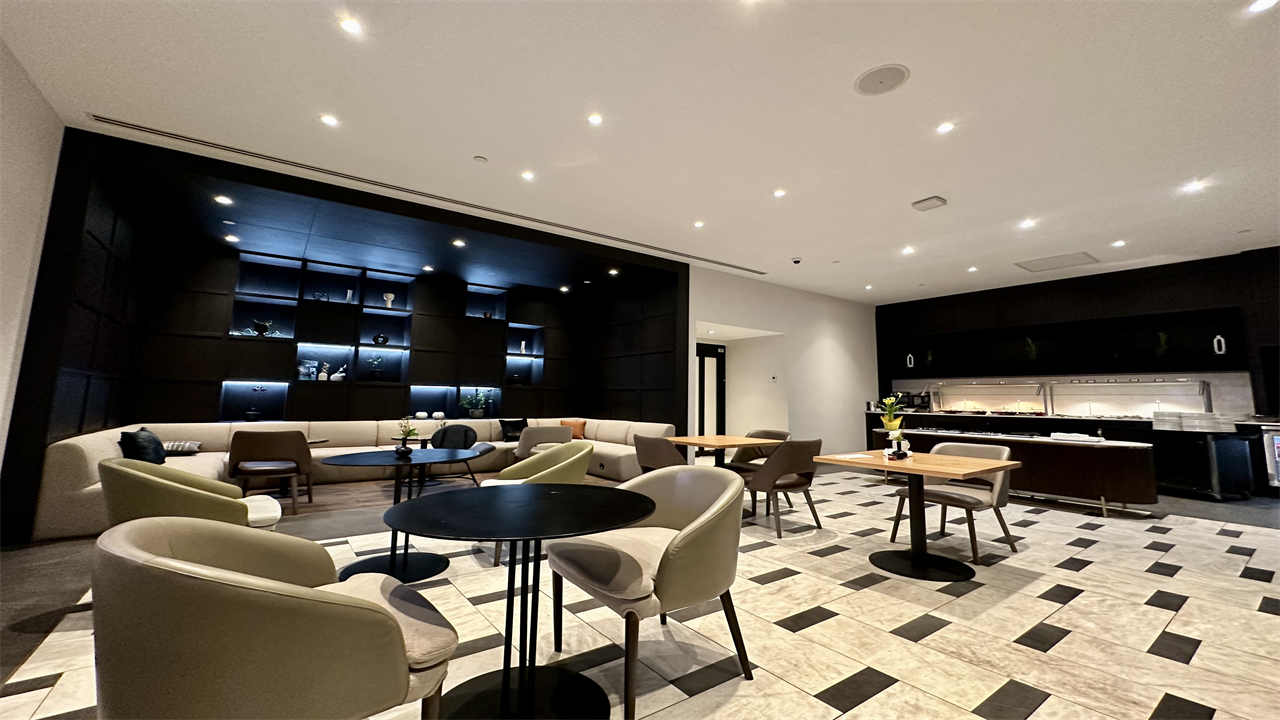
x=897, y=518
x=942, y=522
x=293, y=492
x=777, y=519
x=789, y=503
x=753, y=502
x=662, y=618
x=812, y=508
x=1008, y=538
x=557, y=605
x=766, y=503
x=629, y=667
x=472, y=473
x=973, y=536
x=731, y=617
x=431, y=705
x=308, y=477
x=497, y=554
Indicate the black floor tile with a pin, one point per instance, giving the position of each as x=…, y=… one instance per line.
x=1037, y=511
x=1159, y=546
x=774, y=576
x=957, y=521
x=1083, y=543
x=1252, y=573
x=1165, y=569
x=494, y=596
x=870, y=504
x=1013, y=701
x=755, y=546
x=1060, y=594
x=1167, y=600
x=867, y=532
x=1074, y=564
x=1172, y=707
x=1269, y=605
x=584, y=605
x=38, y=683
x=799, y=528
x=1004, y=539
x=1240, y=550
x=807, y=618
x=938, y=535
x=856, y=689
x=1230, y=533
x=839, y=515
x=920, y=628
x=991, y=559
x=1042, y=637
x=1024, y=523
x=704, y=679
x=827, y=483
x=684, y=615
x=848, y=492
x=957, y=589
x=1173, y=646
x=1089, y=526
x=471, y=647
x=1159, y=530
x=584, y=661
x=864, y=582
x=828, y=550
x=823, y=500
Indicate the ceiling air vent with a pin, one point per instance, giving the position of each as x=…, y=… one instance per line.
x=882, y=79
x=1057, y=262
x=929, y=203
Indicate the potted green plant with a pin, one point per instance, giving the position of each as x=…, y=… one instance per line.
x=476, y=403
x=891, y=406
x=407, y=431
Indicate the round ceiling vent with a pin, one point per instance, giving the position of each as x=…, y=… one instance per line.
x=882, y=79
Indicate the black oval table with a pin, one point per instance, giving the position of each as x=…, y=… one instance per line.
x=415, y=566
x=525, y=514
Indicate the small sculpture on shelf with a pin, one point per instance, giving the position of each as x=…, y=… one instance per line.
x=388, y=297
x=322, y=296
x=421, y=415
x=350, y=296
x=340, y=375
x=260, y=328
x=323, y=375
x=437, y=415
x=375, y=367
x=476, y=403
x=407, y=431
x=380, y=339
x=307, y=369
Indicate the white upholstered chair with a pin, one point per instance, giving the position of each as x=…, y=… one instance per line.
x=683, y=554
x=136, y=489
x=533, y=438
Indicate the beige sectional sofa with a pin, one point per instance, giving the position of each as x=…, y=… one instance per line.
x=71, y=501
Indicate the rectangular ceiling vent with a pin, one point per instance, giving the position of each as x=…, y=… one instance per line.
x=1057, y=262
x=929, y=203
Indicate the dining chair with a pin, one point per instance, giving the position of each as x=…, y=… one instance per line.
x=789, y=467
x=194, y=618
x=135, y=489
x=947, y=493
x=741, y=462
x=533, y=438
x=565, y=463
x=654, y=453
x=683, y=554
x=459, y=437
x=270, y=455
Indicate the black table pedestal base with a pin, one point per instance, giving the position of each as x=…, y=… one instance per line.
x=410, y=567
x=928, y=567
x=557, y=693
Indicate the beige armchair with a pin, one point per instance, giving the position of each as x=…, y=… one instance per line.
x=565, y=463
x=135, y=489
x=201, y=619
x=948, y=494
x=532, y=437
x=683, y=554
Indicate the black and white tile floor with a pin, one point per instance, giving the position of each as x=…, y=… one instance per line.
x=1094, y=618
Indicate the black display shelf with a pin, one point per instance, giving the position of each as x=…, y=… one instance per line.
x=337, y=356
x=247, y=310
x=378, y=284
x=331, y=283
x=266, y=275
x=523, y=370
x=394, y=324
x=394, y=365
x=486, y=302
x=434, y=398
x=253, y=400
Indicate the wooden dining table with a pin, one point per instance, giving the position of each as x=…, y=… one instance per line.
x=918, y=562
x=720, y=443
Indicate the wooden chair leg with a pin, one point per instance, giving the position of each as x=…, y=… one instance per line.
x=557, y=606
x=788, y=497
x=812, y=508
x=777, y=519
x=497, y=554
x=1008, y=538
x=942, y=521
x=973, y=536
x=897, y=518
x=629, y=667
x=731, y=617
x=431, y=705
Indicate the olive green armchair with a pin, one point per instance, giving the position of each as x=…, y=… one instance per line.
x=136, y=489
x=565, y=463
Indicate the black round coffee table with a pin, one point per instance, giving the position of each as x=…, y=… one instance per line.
x=525, y=514
x=410, y=567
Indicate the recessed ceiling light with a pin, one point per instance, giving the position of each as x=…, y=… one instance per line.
x=227, y=222
x=1260, y=5
x=973, y=269
x=352, y=26
x=1027, y=224
x=613, y=272
x=1193, y=186
x=867, y=287
x=595, y=119
x=946, y=127
x=428, y=268
x=1118, y=243
x=564, y=288
x=222, y=199
x=329, y=120
x=908, y=250
x=698, y=224
x=232, y=238
x=526, y=175
x=779, y=193
x=586, y=282
x=459, y=242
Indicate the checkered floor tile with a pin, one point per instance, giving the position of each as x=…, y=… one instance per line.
x=1091, y=618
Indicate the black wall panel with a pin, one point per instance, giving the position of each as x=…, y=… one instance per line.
x=433, y=368
x=435, y=333
x=329, y=323
x=319, y=401
x=183, y=358
x=481, y=370
x=189, y=311
x=369, y=402
x=261, y=359
x=659, y=334
x=440, y=295
x=164, y=401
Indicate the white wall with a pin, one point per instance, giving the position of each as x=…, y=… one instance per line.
x=30, y=137
x=825, y=359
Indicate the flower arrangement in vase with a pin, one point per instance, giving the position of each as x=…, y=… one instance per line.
x=891, y=406
x=407, y=431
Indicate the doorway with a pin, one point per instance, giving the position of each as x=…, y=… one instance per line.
x=711, y=371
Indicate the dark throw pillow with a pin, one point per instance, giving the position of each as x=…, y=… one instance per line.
x=142, y=445
x=511, y=429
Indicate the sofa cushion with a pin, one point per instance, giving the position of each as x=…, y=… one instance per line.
x=511, y=429
x=213, y=437
x=613, y=461
x=142, y=444
x=486, y=430
x=344, y=433
x=429, y=639
x=579, y=428
x=618, y=563
x=648, y=429
x=613, y=431
x=211, y=465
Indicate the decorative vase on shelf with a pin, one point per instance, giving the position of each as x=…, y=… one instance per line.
x=380, y=339
x=350, y=294
x=522, y=347
x=388, y=297
x=437, y=415
x=477, y=413
x=252, y=415
x=262, y=327
x=375, y=374
x=420, y=415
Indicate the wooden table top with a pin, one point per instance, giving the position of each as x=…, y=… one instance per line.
x=953, y=467
x=721, y=442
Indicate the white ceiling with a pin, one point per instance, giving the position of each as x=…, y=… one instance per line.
x=1085, y=116
x=719, y=332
